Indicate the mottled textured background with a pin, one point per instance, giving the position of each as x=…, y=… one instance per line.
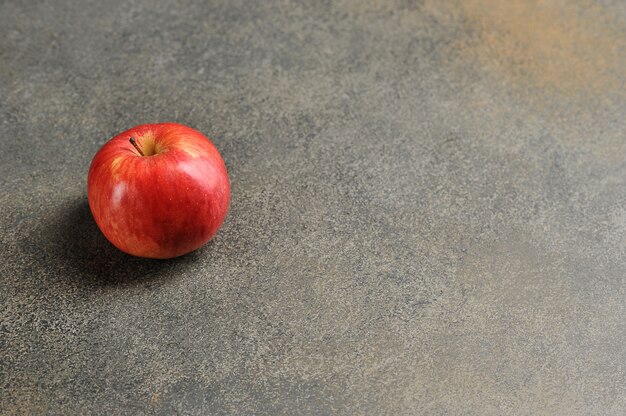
x=428, y=208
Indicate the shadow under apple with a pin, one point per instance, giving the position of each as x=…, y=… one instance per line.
x=85, y=255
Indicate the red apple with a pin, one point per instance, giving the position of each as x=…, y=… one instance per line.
x=158, y=190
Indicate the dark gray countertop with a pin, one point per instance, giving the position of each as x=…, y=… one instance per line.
x=428, y=208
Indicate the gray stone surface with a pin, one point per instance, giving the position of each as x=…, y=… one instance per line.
x=428, y=208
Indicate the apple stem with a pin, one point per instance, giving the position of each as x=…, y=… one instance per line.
x=134, y=143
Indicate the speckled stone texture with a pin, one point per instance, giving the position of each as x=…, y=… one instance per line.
x=428, y=208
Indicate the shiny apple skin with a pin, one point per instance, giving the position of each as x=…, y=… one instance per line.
x=164, y=205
